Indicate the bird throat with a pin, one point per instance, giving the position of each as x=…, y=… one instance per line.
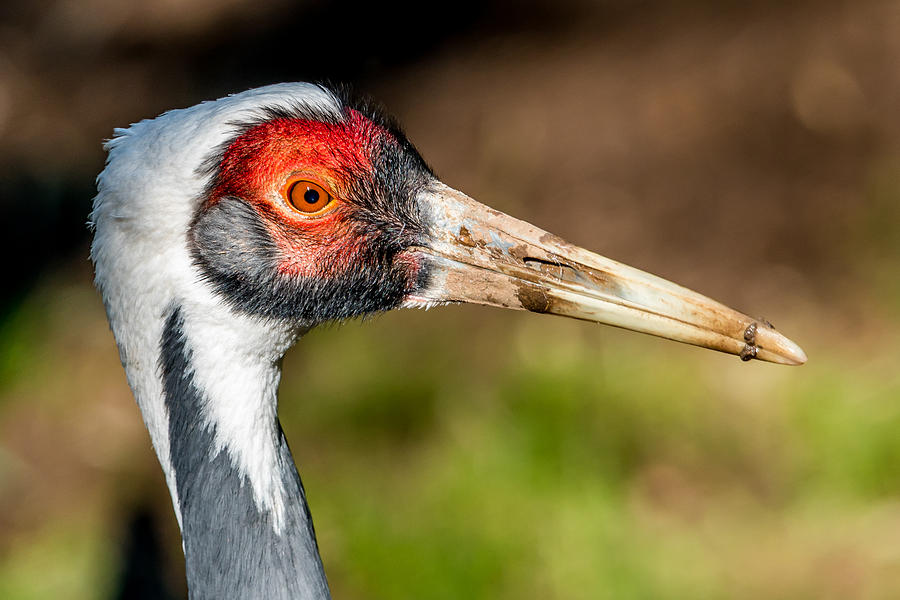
x=235, y=545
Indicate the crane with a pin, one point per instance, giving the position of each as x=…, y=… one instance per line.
x=225, y=231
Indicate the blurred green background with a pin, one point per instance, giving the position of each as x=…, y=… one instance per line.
x=750, y=151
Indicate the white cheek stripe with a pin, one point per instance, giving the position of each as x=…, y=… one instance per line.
x=236, y=367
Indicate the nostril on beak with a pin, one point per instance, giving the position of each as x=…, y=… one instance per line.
x=559, y=270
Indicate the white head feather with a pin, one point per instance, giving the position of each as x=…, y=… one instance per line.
x=147, y=196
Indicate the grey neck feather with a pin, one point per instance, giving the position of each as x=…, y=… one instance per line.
x=232, y=548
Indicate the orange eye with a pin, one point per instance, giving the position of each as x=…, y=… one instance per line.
x=308, y=197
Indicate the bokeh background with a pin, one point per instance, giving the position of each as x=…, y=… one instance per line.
x=750, y=151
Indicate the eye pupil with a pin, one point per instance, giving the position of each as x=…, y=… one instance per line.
x=311, y=196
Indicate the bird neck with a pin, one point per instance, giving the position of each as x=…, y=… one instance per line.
x=245, y=521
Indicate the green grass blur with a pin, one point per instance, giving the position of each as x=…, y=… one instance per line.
x=469, y=452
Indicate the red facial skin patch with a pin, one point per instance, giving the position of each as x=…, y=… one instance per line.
x=258, y=165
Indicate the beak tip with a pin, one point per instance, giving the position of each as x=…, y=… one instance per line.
x=775, y=347
x=799, y=356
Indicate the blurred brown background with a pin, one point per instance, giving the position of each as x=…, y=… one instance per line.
x=750, y=151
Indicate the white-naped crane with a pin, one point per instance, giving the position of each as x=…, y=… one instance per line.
x=224, y=231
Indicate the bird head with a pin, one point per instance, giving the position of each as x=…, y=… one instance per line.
x=301, y=207
x=312, y=218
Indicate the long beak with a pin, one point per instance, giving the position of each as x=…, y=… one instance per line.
x=479, y=255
